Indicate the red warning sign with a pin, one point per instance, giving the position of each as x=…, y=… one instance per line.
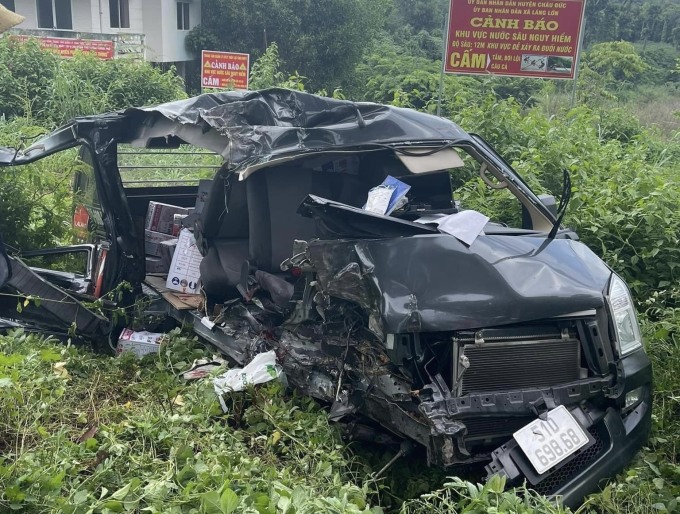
x=520, y=38
x=224, y=70
x=67, y=47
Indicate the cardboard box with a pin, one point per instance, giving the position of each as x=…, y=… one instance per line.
x=139, y=343
x=160, y=216
x=177, y=224
x=204, y=186
x=167, y=251
x=152, y=241
x=156, y=265
x=185, y=275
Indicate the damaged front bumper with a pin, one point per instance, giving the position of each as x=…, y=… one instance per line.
x=409, y=362
x=618, y=428
x=357, y=377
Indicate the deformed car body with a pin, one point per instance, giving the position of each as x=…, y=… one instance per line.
x=392, y=321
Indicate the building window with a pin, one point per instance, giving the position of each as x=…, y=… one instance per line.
x=120, y=14
x=182, y=16
x=9, y=4
x=54, y=14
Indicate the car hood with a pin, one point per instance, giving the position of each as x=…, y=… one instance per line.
x=431, y=283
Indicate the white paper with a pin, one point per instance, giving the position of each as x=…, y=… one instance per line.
x=185, y=274
x=262, y=368
x=205, y=321
x=464, y=226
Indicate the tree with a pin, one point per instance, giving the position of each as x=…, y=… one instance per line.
x=427, y=15
x=26, y=73
x=616, y=60
x=322, y=41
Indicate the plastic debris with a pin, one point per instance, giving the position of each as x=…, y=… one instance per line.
x=263, y=368
x=387, y=197
x=201, y=368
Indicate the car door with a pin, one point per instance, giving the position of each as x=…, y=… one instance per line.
x=53, y=280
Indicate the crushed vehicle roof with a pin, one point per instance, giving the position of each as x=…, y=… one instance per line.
x=253, y=127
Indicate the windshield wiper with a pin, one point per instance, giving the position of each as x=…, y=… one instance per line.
x=564, y=202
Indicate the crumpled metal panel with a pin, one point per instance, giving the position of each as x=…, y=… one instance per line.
x=261, y=125
x=254, y=127
x=432, y=283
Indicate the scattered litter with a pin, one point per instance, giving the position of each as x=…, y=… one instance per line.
x=464, y=226
x=262, y=369
x=60, y=370
x=201, y=368
x=205, y=321
x=140, y=343
x=379, y=199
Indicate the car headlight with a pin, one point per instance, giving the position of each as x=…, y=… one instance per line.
x=626, y=326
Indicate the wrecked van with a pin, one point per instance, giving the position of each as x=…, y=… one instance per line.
x=504, y=344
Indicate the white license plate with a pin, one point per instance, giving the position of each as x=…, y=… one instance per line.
x=547, y=443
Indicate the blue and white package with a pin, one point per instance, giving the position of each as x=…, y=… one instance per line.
x=388, y=196
x=400, y=190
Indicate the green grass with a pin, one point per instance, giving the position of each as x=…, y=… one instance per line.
x=84, y=432
x=188, y=163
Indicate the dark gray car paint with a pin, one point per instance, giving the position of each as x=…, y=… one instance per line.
x=432, y=283
x=257, y=126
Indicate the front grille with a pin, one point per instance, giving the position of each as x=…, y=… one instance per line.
x=514, y=365
x=563, y=475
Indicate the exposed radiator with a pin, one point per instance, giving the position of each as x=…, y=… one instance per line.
x=506, y=366
x=485, y=430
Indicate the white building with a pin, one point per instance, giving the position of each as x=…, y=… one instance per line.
x=155, y=28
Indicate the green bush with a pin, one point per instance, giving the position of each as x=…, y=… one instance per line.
x=40, y=90
x=39, y=84
x=87, y=433
x=36, y=200
x=26, y=75
x=626, y=183
x=87, y=85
